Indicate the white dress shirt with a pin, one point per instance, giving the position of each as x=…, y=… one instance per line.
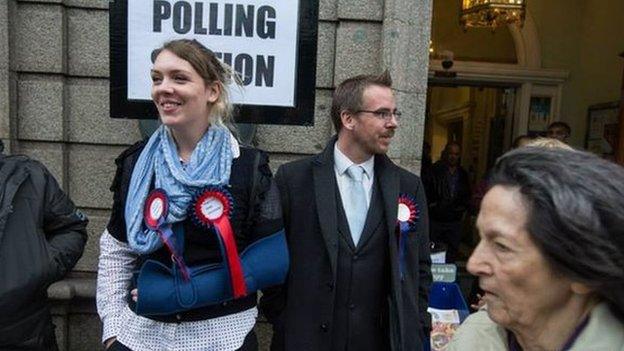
x=341, y=163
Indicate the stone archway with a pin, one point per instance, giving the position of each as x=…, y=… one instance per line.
x=527, y=43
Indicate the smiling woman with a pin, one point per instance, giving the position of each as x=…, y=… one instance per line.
x=551, y=255
x=182, y=97
x=186, y=203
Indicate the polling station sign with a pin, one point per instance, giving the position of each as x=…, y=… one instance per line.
x=271, y=44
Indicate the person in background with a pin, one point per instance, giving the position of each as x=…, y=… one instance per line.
x=42, y=236
x=448, y=195
x=193, y=166
x=559, y=130
x=360, y=267
x=551, y=255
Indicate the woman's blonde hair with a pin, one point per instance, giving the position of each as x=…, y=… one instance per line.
x=205, y=62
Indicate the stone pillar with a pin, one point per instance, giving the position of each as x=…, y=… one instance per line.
x=405, y=41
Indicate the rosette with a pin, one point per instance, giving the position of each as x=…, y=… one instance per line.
x=155, y=212
x=211, y=204
x=212, y=208
x=407, y=217
x=156, y=209
x=408, y=212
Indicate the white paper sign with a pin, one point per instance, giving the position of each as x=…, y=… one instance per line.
x=444, y=272
x=258, y=38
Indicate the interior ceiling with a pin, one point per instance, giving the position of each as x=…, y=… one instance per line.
x=475, y=44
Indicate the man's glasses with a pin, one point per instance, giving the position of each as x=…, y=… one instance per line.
x=386, y=115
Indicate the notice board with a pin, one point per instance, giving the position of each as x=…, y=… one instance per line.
x=271, y=44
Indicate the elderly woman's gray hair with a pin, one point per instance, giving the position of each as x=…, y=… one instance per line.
x=575, y=204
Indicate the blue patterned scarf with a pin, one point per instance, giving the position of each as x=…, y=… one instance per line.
x=210, y=164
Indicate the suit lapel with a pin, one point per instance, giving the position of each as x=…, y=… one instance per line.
x=373, y=217
x=325, y=195
x=389, y=184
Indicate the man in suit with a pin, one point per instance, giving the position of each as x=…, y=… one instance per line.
x=356, y=281
x=448, y=193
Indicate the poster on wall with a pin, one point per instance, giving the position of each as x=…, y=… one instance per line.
x=602, y=129
x=540, y=115
x=270, y=44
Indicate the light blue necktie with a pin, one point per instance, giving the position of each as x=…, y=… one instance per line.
x=356, y=207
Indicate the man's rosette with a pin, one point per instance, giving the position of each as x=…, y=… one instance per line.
x=408, y=214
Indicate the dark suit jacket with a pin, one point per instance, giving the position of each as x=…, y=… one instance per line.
x=302, y=309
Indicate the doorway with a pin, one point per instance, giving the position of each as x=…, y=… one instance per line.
x=479, y=118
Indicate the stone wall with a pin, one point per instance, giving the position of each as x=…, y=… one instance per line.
x=54, y=107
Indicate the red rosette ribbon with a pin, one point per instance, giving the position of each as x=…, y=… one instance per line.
x=155, y=212
x=212, y=208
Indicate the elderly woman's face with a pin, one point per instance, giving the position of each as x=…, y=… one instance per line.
x=520, y=287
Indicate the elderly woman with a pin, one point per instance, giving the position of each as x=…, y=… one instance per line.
x=551, y=255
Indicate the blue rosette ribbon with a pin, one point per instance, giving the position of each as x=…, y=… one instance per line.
x=408, y=215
